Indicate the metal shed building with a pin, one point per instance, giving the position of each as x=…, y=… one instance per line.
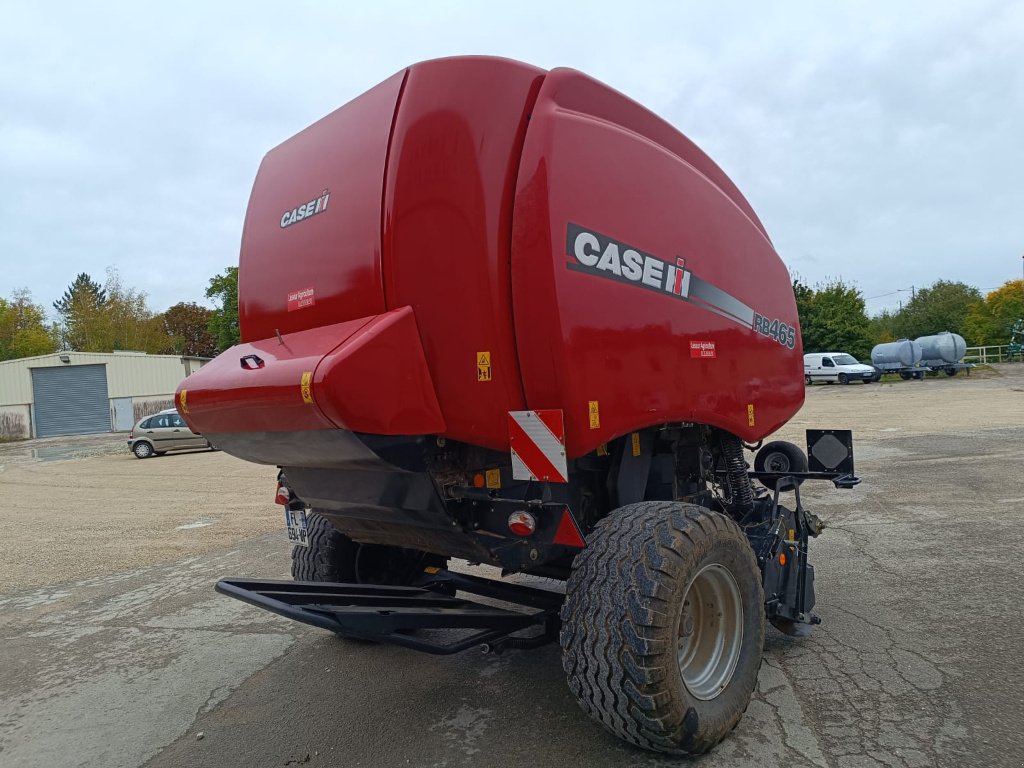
x=78, y=393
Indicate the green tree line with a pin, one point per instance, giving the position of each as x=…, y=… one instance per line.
x=94, y=317
x=833, y=316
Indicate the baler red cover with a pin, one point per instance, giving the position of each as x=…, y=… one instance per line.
x=478, y=209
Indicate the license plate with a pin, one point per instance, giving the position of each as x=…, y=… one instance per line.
x=298, y=533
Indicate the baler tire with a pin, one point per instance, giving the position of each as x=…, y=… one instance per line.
x=329, y=555
x=621, y=622
x=333, y=556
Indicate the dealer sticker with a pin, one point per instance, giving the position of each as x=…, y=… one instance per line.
x=705, y=349
x=301, y=299
x=298, y=531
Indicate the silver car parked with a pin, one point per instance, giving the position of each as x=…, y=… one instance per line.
x=165, y=431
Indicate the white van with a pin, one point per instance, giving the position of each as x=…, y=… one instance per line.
x=837, y=366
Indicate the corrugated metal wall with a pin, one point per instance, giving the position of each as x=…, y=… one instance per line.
x=128, y=375
x=71, y=401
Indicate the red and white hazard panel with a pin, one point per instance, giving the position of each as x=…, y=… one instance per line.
x=537, y=439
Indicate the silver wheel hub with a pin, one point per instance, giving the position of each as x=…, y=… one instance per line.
x=710, y=634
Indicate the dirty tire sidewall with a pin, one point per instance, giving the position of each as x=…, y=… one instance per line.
x=620, y=623
x=330, y=555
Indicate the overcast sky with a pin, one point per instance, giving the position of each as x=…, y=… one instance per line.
x=882, y=143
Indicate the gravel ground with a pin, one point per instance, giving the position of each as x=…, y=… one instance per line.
x=123, y=656
x=87, y=507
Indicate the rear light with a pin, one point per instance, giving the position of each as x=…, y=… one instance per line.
x=522, y=523
x=283, y=495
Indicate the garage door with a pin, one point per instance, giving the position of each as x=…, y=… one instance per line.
x=71, y=401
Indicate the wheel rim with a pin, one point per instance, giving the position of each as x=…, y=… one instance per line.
x=710, y=633
x=142, y=450
x=776, y=462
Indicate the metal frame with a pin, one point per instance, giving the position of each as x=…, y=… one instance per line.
x=391, y=614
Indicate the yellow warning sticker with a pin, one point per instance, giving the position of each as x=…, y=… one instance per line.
x=635, y=437
x=305, y=387
x=602, y=449
x=483, y=366
x=493, y=478
x=750, y=415
x=182, y=402
x=595, y=415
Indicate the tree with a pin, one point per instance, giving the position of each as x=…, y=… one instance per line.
x=188, y=324
x=81, y=286
x=23, y=331
x=883, y=327
x=77, y=309
x=989, y=321
x=223, y=325
x=109, y=318
x=832, y=318
x=943, y=306
x=126, y=321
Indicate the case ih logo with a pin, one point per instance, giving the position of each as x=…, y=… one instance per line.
x=606, y=257
x=306, y=210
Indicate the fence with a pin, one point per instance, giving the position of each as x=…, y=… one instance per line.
x=993, y=354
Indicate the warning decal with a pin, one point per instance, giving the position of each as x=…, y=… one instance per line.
x=537, y=440
x=182, y=402
x=595, y=415
x=483, y=366
x=305, y=387
x=750, y=415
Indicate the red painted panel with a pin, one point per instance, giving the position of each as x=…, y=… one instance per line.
x=447, y=227
x=585, y=336
x=377, y=381
x=301, y=271
x=367, y=375
x=224, y=396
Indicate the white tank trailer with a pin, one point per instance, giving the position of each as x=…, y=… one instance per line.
x=926, y=354
x=942, y=349
x=896, y=355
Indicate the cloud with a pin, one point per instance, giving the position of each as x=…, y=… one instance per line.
x=879, y=142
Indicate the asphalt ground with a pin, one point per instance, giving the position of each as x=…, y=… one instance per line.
x=134, y=660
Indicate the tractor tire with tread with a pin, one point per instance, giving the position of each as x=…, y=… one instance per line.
x=333, y=556
x=623, y=625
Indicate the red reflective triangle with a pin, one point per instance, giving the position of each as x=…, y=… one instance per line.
x=568, y=535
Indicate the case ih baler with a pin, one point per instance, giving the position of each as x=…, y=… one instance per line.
x=507, y=315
